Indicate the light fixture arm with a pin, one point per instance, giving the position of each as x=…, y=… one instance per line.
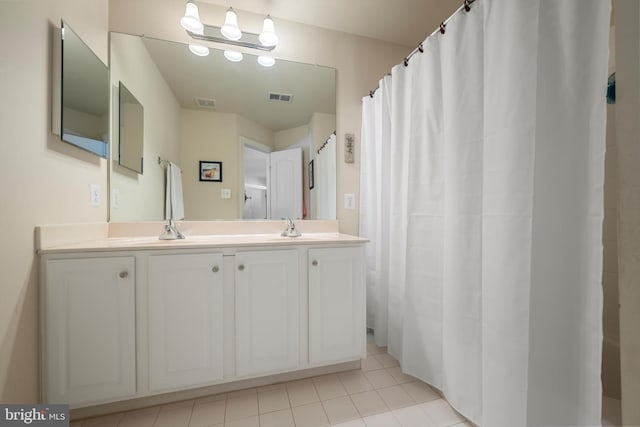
x=212, y=34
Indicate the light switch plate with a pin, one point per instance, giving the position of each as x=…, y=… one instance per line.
x=350, y=201
x=225, y=193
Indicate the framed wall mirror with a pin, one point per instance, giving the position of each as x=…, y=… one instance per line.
x=84, y=120
x=131, y=135
x=206, y=108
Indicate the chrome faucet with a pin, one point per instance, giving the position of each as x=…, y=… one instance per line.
x=171, y=231
x=291, y=230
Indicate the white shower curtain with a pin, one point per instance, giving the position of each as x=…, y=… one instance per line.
x=482, y=176
x=326, y=179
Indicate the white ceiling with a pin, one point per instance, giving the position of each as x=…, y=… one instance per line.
x=243, y=87
x=405, y=22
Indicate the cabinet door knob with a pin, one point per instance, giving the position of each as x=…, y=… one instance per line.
x=241, y=267
x=215, y=269
x=314, y=263
x=123, y=274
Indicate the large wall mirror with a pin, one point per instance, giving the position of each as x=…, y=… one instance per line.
x=238, y=114
x=84, y=95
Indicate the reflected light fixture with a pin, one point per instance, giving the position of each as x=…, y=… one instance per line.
x=191, y=19
x=233, y=55
x=266, y=61
x=268, y=36
x=198, y=49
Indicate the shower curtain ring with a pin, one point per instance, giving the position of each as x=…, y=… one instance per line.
x=420, y=48
x=442, y=27
x=406, y=62
x=467, y=7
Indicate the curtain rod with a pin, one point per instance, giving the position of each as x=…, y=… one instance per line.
x=326, y=142
x=441, y=29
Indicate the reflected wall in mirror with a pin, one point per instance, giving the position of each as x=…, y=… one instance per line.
x=85, y=96
x=202, y=108
x=131, y=135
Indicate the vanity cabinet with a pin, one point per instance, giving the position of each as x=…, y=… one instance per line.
x=185, y=320
x=266, y=311
x=336, y=304
x=89, y=329
x=139, y=322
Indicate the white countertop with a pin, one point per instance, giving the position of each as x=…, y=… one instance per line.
x=200, y=242
x=96, y=237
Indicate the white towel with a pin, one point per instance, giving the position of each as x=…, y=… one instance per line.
x=174, y=206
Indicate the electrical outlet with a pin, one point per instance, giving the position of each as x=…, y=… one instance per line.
x=95, y=195
x=225, y=193
x=115, y=198
x=350, y=201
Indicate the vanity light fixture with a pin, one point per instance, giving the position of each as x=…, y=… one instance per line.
x=191, y=19
x=230, y=29
x=268, y=36
x=230, y=33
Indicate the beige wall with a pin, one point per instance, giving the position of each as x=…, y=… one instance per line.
x=360, y=62
x=627, y=19
x=296, y=137
x=255, y=132
x=611, y=330
x=210, y=136
x=142, y=195
x=45, y=181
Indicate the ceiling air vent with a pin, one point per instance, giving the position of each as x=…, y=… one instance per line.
x=206, y=103
x=280, y=97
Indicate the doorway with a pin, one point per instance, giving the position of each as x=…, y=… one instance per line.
x=271, y=182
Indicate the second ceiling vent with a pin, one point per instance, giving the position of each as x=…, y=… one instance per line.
x=206, y=103
x=280, y=97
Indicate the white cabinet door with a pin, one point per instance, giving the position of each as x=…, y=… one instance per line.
x=185, y=320
x=337, y=301
x=266, y=311
x=89, y=330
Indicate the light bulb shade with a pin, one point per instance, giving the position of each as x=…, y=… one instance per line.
x=199, y=50
x=266, y=61
x=233, y=55
x=191, y=19
x=230, y=28
x=268, y=35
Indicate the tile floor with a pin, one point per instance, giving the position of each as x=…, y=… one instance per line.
x=377, y=395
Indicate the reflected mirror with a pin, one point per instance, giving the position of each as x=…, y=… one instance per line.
x=206, y=108
x=131, y=136
x=85, y=96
